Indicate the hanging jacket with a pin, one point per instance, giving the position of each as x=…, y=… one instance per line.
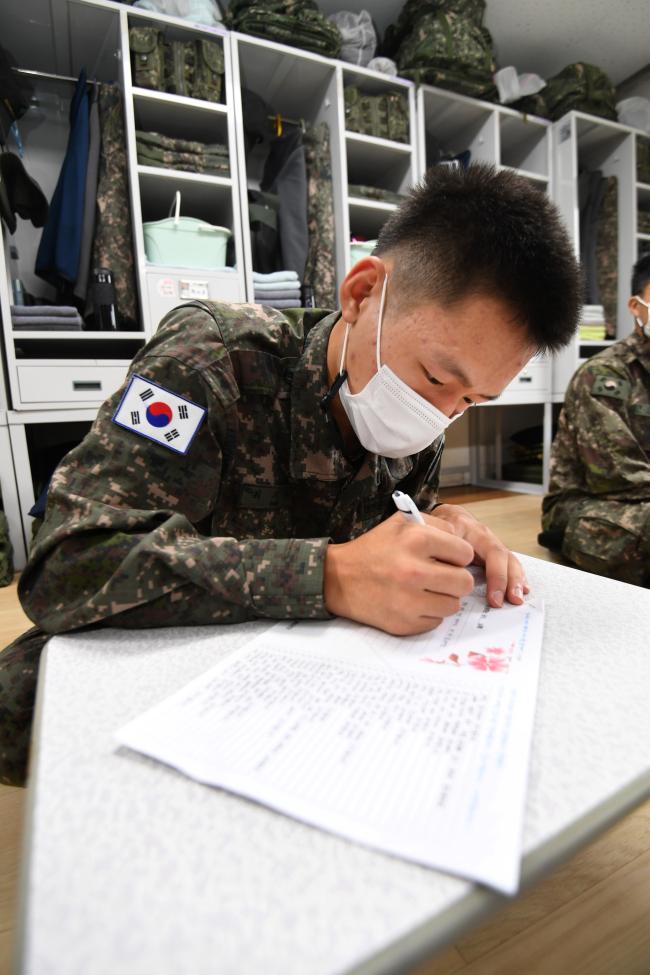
x=58, y=255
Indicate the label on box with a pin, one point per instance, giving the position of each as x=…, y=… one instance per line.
x=194, y=289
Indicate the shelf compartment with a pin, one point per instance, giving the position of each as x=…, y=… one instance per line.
x=378, y=162
x=454, y=124
x=180, y=117
x=367, y=217
x=524, y=145
x=205, y=197
x=293, y=82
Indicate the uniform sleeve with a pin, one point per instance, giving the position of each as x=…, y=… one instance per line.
x=613, y=460
x=125, y=541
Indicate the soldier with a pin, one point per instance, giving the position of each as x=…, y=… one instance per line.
x=597, y=511
x=246, y=467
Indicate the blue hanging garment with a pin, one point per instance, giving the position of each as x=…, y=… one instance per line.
x=58, y=255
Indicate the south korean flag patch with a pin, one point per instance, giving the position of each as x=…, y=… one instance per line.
x=158, y=414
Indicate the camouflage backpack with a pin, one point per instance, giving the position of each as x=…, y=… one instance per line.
x=147, y=57
x=191, y=68
x=581, y=87
x=450, y=51
x=6, y=552
x=298, y=23
x=384, y=116
x=414, y=11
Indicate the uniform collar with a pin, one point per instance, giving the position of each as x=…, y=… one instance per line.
x=315, y=450
x=315, y=441
x=639, y=346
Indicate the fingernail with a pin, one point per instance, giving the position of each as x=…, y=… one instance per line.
x=518, y=591
x=498, y=597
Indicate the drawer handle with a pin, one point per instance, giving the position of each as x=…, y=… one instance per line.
x=525, y=379
x=80, y=386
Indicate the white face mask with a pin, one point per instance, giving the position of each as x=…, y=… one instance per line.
x=388, y=417
x=644, y=328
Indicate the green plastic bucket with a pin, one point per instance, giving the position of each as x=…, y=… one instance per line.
x=185, y=241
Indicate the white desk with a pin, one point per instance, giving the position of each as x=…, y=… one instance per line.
x=133, y=868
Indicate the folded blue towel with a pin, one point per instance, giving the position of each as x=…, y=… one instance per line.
x=260, y=278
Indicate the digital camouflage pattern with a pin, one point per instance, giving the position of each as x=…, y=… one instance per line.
x=382, y=116
x=607, y=254
x=320, y=266
x=599, y=492
x=209, y=68
x=375, y=193
x=298, y=23
x=6, y=552
x=113, y=242
x=136, y=535
x=194, y=69
x=581, y=87
x=451, y=51
x=643, y=159
x=155, y=149
x=147, y=57
x=18, y=673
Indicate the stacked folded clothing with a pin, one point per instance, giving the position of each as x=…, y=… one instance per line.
x=46, y=318
x=154, y=149
x=280, y=289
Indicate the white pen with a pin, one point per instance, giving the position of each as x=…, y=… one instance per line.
x=406, y=504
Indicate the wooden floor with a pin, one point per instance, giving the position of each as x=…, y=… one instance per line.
x=590, y=917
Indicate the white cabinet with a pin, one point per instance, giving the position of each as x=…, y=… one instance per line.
x=583, y=143
x=450, y=125
x=211, y=198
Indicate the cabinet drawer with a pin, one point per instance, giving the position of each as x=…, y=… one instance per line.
x=81, y=383
x=534, y=376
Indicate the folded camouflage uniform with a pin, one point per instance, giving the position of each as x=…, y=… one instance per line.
x=154, y=149
x=298, y=23
x=375, y=193
x=451, y=51
x=581, y=87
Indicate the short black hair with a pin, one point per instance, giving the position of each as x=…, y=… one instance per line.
x=491, y=232
x=641, y=275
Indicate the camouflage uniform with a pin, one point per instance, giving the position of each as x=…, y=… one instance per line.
x=599, y=495
x=113, y=245
x=136, y=535
x=320, y=266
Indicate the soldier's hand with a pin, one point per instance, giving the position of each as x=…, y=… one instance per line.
x=503, y=571
x=400, y=577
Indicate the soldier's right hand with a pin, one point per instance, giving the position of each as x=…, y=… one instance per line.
x=400, y=577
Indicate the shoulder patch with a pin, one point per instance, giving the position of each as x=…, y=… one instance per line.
x=157, y=414
x=611, y=386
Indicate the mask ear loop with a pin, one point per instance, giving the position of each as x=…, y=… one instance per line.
x=344, y=348
x=326, y=400
x=644, y=328
x=380, y=321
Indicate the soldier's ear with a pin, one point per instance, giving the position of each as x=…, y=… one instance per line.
x=363, y=278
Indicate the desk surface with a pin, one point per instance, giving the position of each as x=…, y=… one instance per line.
x=133, y=868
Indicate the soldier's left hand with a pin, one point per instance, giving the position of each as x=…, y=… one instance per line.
x=504, y=572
